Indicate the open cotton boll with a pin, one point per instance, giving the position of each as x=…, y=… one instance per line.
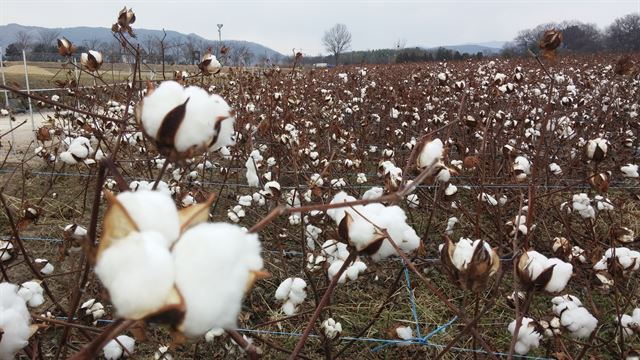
x=532, y=264
x=213, y=263
x=138, y=271
x=331, y=328
x=292, y=292
x=152, y=210
x=338, y=213
x=528, y=338
x=14, y=321
x=32, y=293
x=213, y=333
x=404, y=332
x=199, y=120
x=252, y=171
x=373, y=193
x=630, y=170
x=116, y=349
x=46, y=268
x=575, y=318
x=430, y=153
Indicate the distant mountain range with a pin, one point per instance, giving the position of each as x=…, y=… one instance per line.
x=83, y=34
x=490, y=47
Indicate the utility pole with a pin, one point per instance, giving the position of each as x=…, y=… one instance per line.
x=219, y=39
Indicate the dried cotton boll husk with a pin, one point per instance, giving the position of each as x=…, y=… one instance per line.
x=182, y=121
x=215, y=264
x=139, y=274
x=14, y=321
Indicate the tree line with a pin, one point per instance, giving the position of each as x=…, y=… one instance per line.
x=42, y=46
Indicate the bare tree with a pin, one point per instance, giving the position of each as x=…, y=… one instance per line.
x=622, y=34
x=336, y=40
x=92, y=44
x=48, y=37
x=23, y=40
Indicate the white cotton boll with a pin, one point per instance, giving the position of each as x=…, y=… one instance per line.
x=80, y=148
x=522, y=164
x=582, y=205
x=6, y=250
x=32, y=293
x=333, y=269
x=488, y=199
x=113, y=350
x=282, y=292
x=331, y=328
x=355, y=269
x=579, y=322
x=245, y=200
x=431, y=153
x=201, y=114
x=450, y=190
x=67, y=158
x=555, y=169
x=373, y=193
x=47, y=268
x=14, y=321
x=404, y=332
x=213, y=333
x=272, y=186
x=527, y=338
x=213, y=262
x=562, y=272
x=630, y=170
x=338, y=213
x=162, y=353
x=152, y=210
x=413, y=201
x=187, y=200
x=451, y=222
x=361, y=179
x=138, y=271
x=252, y=170
x=602, y=203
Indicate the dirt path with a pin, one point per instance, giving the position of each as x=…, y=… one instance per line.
x=23, y=134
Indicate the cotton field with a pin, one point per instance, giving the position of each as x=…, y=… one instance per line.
x=485, y=208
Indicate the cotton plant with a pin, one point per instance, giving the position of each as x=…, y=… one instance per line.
x=537, y=272
x=183, y=121
x=6, y=250
x=292, y=292
x=469, y=262
x=521, y=168
x=361, y=226
x=596, y=149
x=121, y=346
x=154, y=259
x=574, y=318
x=529, y=335
x=15, y=321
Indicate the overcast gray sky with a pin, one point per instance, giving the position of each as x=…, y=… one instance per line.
x=286, y=24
